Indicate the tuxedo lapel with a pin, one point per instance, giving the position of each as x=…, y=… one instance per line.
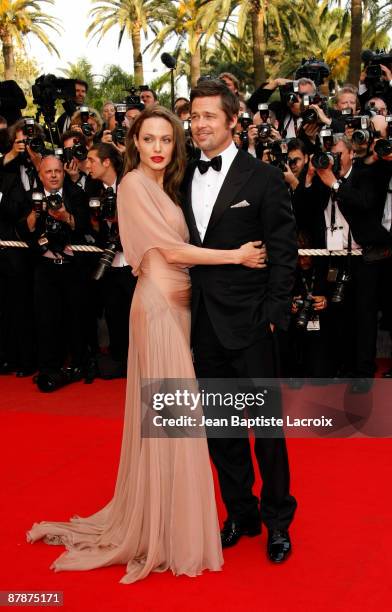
x=238, y=175
x=188, y=210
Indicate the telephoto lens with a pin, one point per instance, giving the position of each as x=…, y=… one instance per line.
x=105, y=261
x=54, y=201
x=340, y=289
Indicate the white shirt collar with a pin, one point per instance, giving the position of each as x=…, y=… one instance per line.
x=114, y=186
x=60, y=191
x=227, y=155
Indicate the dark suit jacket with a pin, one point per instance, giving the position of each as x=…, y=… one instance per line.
x=241, y=302
x=75, y=202
x=361, y=200
x=14, y=204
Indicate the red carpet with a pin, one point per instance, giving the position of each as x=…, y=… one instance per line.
x=59, y=458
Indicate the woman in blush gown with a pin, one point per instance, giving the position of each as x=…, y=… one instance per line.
x=163, y=512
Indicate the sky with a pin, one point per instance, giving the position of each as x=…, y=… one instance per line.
x=72, y=44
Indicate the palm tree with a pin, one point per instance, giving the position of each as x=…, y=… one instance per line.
x=193, y=22
x=280, y=17
x=132, y=17
x=19, y=18
x=376, y=16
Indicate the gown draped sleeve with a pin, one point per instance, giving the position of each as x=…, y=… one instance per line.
x=144, y=221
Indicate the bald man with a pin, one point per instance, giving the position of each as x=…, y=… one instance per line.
x=60, y=298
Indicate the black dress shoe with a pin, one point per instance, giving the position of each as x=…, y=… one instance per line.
x=387, y=373
x=232, y=531
x=279, y=545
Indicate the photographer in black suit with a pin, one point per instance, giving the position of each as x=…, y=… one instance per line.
x=235, y=311
x=351, y=202
x=16, y=284
x=117, y=283
x=58, y=218
x=71, y=106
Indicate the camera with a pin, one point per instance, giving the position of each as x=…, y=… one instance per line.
x=105, y=206
x=264, y=128
x=383, y=146
x=78, y=151
x=315, y=69
x=289, y=93
x=245, y=119
x=340, y=288
x=326, y=139
x=54, y=201
x=120, y=132
x=278, y=154
x=322, y=160
x=133, y=99
x=47, y=89
x=305, y=312
x=106, y=259
x=310, y=115
x=374, y=76
x=365, y=134
x=84, y=115
x=35, y=143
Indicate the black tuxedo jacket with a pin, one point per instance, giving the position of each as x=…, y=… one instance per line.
x=241, y=302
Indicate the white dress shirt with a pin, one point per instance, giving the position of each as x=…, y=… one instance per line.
x=119, y=258
x=291, y=126
x=340, y=223
x=206, y=187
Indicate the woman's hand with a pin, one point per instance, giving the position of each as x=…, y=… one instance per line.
x=252, y=255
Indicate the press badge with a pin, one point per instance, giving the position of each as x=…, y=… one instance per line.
x=335, y=239
x=314, y=324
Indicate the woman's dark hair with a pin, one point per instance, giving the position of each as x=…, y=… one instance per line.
x=215, y=87
x=174, y=172
x=105, y=150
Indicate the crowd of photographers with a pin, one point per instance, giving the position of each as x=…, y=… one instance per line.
x=58, y=184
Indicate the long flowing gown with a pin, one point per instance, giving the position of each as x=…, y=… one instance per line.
x=163, y=514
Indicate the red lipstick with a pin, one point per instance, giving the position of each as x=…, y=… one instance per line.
x=157, y=159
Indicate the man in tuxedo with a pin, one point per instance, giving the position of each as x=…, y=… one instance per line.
x=235, y=309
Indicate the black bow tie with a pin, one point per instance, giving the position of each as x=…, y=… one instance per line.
x=215, y=163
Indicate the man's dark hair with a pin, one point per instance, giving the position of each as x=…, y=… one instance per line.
x=214, y=87
x=80, y=82
x=154, y=93
x=106, y=150
x=295, y=144
x=73, y=134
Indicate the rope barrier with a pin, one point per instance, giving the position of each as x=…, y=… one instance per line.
x=84, y=248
